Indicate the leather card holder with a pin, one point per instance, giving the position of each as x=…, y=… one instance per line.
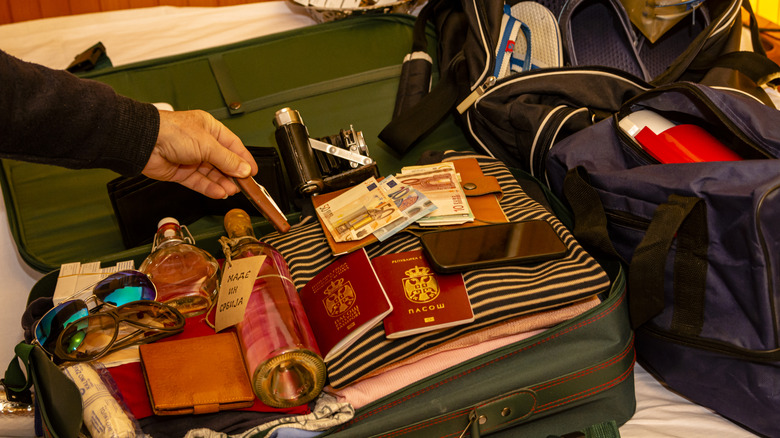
x=198, y=375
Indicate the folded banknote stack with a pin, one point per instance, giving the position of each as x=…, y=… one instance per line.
x=428, y=195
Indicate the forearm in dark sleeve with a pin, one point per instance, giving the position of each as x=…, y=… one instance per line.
x=51, y=116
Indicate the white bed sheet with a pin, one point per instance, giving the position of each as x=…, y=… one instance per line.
x=139, y=34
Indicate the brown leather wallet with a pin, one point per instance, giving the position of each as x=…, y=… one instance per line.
x=196, y=375
x=482, y=192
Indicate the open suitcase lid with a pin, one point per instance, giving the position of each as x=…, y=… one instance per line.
x=60, y=215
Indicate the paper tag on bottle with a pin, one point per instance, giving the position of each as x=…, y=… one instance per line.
x=238, y=278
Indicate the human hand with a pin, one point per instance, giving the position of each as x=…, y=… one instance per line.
x=197, y=151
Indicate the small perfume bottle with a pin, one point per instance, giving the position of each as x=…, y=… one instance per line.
x=186, y=277
x=280, y=352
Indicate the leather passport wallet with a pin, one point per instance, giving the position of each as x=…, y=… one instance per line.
x=199, y=375
x=482, y=192
x=140, y=202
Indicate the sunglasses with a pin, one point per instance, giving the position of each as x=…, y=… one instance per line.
x=118, y=289
x=97, y=334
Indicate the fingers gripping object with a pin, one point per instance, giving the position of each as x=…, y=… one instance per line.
x=264, y=203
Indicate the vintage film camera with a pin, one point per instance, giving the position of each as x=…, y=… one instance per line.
x=320, y=165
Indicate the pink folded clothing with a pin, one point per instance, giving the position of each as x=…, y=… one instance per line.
x=400, y=374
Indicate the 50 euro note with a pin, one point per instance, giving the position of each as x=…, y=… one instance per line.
x=443, y=188
x=358, y=212
x=410, y=201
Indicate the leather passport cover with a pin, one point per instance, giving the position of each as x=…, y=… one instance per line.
x=483, y=194
x=196, y=375
x=140, y=202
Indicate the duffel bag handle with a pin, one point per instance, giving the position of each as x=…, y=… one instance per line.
x=681, y=218
x=590, y=219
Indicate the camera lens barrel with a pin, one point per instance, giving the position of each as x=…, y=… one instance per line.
x=292, y=137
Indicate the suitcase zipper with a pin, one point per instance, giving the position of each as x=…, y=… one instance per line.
x=315, y=89
x=510, y=409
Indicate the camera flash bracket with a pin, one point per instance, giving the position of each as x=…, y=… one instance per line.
x=354, y=157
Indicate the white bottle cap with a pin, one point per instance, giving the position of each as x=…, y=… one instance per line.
x=167, y=220
x=170, y=232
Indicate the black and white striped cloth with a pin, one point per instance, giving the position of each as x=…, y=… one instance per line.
x=497, y=294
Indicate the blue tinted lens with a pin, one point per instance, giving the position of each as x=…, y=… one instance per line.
x=124, y=287
x=55, y=320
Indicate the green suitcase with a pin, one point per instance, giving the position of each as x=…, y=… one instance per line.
x=336, y=74
x=576, y=374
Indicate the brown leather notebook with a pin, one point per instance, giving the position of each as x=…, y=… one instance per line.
x=196, y=375
x=483, y=194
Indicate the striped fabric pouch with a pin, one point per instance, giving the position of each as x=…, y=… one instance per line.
x=497, y=294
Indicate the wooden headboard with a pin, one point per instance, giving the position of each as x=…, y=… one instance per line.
x=12, y=11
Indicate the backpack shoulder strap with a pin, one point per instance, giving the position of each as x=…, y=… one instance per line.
x=413, y=123
x=418, y=108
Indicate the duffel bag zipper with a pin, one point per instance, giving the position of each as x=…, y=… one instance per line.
x=627, y=220
x=712, y=345
x=701, y=97
x=769, y=267
x=639, y=223
x=634, y=148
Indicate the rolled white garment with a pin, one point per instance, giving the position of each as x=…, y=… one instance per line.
x=102, y=413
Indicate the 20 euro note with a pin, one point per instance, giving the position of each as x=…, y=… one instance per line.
x=358, y=212
x=443, y=189
x=412, y=203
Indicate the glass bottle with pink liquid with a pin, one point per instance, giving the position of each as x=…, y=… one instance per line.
x=186, y=277
x=280, y=352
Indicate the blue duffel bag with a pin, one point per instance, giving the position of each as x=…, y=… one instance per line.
x=701, y=239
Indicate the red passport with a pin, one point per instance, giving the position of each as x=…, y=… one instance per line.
x=422, y=299
x=343, y=301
